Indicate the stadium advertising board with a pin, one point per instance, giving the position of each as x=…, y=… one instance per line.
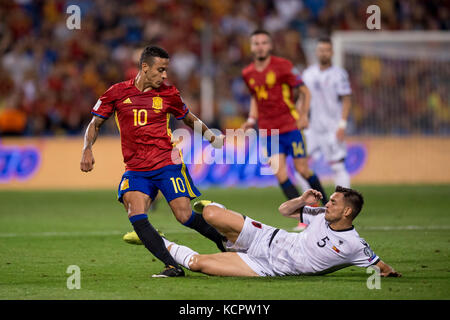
x=53, y=163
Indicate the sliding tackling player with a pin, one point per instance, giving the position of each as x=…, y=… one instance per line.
x=329, y=243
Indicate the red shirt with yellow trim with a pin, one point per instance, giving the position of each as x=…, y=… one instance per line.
x=143, y=122
x=272, y=89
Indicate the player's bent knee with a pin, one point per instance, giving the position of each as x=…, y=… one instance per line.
x=183, y=216
x=304, y=171
x=210, y=213
x=181, y=210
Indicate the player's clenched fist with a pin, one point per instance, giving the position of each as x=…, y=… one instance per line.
x=218, y=141
x=87, y=160
x=311, y=196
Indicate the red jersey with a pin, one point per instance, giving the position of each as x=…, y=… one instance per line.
x=143, y=122
x=272, y=89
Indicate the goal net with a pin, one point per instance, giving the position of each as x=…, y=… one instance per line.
x=399, y=124
x=400, y=81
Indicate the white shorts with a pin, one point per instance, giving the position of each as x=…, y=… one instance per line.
x=325, y=143
x=253, y=246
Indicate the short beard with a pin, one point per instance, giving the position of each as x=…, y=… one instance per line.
x=262, y=58
x=325, y=62
x=329, y=220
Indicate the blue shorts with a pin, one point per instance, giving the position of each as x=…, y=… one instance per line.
x=174, y=181
x=290, y=143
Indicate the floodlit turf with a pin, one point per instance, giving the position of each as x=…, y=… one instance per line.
x=42, y=233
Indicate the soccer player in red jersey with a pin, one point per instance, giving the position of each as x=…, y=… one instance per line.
x=142, y=108
x=276, y=87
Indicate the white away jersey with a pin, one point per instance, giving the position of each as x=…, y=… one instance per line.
x=318, y=249
x=326, y=88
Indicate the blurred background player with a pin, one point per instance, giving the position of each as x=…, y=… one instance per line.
x=330, y=107
x=279, y=100
x=142, y=108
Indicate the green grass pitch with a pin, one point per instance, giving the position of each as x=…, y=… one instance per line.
x=43, y=232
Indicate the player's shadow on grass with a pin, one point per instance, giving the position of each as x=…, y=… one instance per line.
x=359, y=277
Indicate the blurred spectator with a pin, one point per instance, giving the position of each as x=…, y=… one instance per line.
x=50, y=76
x=183, y=62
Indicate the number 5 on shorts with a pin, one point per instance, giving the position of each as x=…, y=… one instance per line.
x=178, y=185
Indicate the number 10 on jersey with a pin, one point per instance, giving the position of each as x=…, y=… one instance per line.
x=140, y=117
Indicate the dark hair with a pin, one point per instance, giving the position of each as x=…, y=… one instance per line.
x=151, y=52
x=325, y=39
x=352, y=198
x=261, y=31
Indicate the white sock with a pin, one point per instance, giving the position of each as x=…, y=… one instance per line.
x=167, y=243
x=341, y=176
x=181, y=254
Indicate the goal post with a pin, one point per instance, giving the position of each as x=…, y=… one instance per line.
x=345, y=41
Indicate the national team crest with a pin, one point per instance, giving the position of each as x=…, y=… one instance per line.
x=157, y=103
x=271, y=78
x=124, y=185
x=257, y=224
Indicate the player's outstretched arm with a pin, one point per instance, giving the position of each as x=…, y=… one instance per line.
x=386, y=270
x=291, y=208
x=87, y=157
x=216, y=141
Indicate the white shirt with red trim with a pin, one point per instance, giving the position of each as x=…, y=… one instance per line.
x=318, y=249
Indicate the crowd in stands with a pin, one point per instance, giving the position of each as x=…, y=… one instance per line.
x=51, y=76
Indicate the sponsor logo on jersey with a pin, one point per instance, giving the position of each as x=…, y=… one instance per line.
x=127, y=101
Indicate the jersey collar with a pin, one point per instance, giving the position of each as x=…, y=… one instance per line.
x=343, y=230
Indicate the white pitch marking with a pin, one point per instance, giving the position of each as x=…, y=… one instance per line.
x=389, y=228
x=77, y=233
x=173, y=231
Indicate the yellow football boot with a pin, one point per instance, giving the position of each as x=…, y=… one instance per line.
x=132, y=238
x=199, y=205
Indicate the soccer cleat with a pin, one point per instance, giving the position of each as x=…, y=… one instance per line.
x=170, y=271
x=133, y=238
x=200, y=205
x=300, y=227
